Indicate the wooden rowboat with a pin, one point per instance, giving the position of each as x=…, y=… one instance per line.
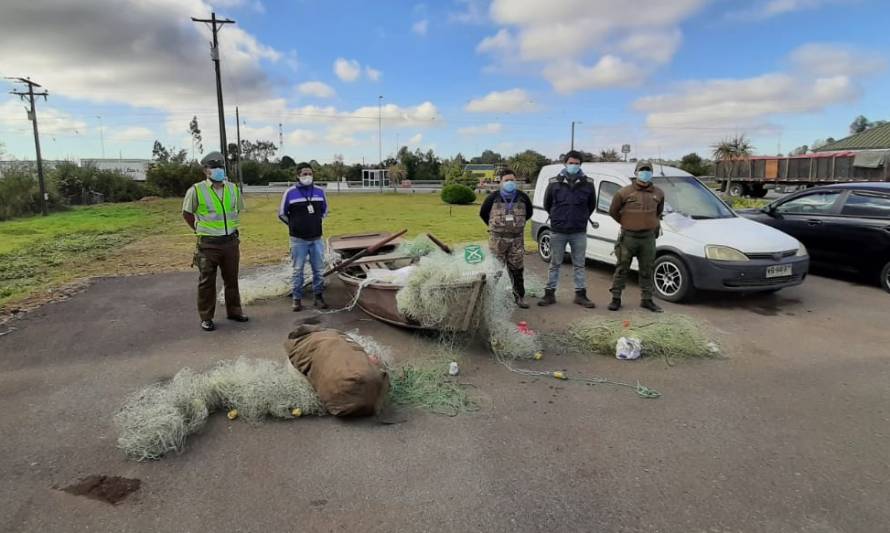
x=378, y=299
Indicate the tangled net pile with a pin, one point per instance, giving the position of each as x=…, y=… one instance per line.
x=420, y=246
x=669, y=337
x=430, y=298
x=274, y=280
x=158, y=419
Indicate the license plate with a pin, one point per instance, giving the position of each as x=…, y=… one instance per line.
x=778, y=271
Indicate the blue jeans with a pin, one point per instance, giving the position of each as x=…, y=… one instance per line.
x=314, y=250
x=578, y=242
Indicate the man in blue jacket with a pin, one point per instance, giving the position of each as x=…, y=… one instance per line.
x=569, y=200
x=303, y=206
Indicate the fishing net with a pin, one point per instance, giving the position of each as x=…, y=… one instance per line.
x=419, y=246
x=272, y=281
x=374, y=349
x=157, y=420
x=669, y=336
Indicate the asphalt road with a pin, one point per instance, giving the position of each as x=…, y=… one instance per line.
x=789, y=433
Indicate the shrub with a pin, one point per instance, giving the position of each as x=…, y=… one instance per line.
x=75, y=183
x=251, y=172
x=273, y=174
x=173, y=179
x=456, y=193
x=20, y=194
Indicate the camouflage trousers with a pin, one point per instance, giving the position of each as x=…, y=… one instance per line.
x=511, y=252
x=639, y=244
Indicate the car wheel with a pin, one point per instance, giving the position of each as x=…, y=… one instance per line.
x=544, y=247
x=885, y=277
x=672, y=279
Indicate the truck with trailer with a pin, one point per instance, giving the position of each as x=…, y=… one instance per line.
x=754, y=176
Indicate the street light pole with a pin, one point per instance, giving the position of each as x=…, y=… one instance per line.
x=101, y=135
x=380, y=138
x=573, y=131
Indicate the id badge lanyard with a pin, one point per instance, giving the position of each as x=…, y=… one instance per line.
x=309, y=207
x=509, y=217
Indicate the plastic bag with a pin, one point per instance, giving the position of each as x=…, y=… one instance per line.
x=628, y=348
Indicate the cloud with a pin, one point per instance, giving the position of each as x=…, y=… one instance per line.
x=347, y=70
x=825, y=59
x=298, y=137
x=126, y=55
x=473, y=13
x=420, y=27
x=610, y=71
x=773, y=8
x=131, y=134
x=52, y=121
x=630, y=38
x=512, y=101
x=701, y=111
x=373, y=74
x=415, y=139
x=255, y=5
x=317, y=89
x=486, y=129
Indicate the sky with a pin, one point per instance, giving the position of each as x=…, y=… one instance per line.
x=667, y=78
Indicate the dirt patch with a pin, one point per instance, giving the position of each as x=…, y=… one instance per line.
x=108, y=489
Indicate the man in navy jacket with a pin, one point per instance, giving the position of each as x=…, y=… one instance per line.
x=570, y=199
x=303, y=206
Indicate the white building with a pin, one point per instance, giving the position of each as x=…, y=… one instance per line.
x=134, y=168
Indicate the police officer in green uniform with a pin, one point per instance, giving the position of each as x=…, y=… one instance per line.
x=638, y=207
x=505, y=212
x=211, y=208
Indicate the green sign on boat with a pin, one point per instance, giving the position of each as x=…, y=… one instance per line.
x=473, y=254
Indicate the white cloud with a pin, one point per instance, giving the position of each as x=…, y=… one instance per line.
x=298, y=137
x=347, y=70
x=473, y=13
x=825, y=59
x=609, y=71
x=558, y=33
x=415, y=139
x=658, y=46
x=255, y=5
x=317, y=89
x=486, y=129
x=373, y=74
x=420, y=27
x=772, y=8
x=51, y=120
x=512, y=101
x=131, y=134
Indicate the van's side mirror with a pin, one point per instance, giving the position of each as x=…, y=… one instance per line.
x=769, y=210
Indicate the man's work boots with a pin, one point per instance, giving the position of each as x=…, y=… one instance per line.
x=208, y=325
x=320, y=303
x=298, y=306
x=581, y=299
x=652, y=306
x=549, y=298
x=615, y=304
x=520, y=302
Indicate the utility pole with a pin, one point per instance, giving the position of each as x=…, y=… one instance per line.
x=238, y=152
x=102, y=137
x=380, y=139
x=573, y=132
x=32, y=114
x=215, y=25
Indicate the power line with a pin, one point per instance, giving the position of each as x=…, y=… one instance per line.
x=32, y=115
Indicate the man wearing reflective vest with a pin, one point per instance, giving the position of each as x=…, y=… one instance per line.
x=211, y=208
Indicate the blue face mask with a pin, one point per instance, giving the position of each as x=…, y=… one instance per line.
x=217, y=174
x=509, y=186
x=644, y=176
x=573, y=169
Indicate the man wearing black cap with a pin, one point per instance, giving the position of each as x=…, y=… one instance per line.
x=212, y=208
x=638, y=208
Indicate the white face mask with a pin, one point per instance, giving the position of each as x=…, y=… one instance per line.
x=305, y=180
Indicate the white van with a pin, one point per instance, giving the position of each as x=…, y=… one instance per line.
x=704, y=244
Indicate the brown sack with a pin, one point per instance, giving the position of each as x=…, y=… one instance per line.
x=345, y=380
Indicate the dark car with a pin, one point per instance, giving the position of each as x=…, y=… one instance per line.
x=845, y=225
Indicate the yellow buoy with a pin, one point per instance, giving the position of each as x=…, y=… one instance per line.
x=559, y=375
x=296, y=411
x=538, y=356
x=233, y=414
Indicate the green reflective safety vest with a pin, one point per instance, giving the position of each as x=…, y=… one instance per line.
x=215, y=217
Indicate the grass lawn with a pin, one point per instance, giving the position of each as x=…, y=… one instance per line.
x=40, y=253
